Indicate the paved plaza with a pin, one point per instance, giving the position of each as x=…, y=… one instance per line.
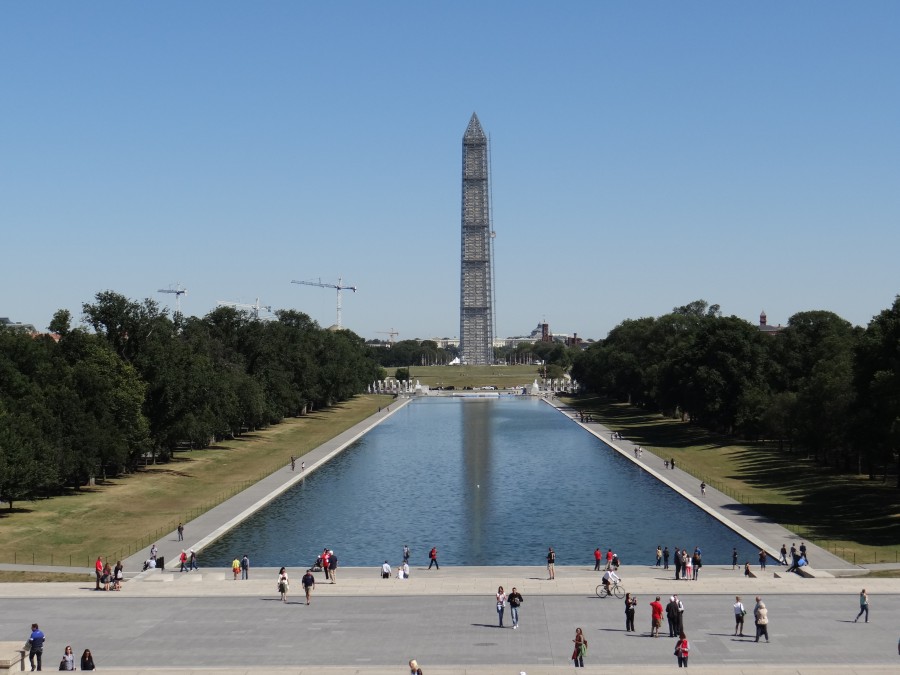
x=204, y=621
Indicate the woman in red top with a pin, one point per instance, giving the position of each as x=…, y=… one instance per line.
x=580, y=648
x=681, y=650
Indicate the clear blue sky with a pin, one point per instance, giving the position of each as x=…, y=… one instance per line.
x=644, y=155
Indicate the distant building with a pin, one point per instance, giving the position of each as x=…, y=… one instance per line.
x=764, y=326
x=27, y=327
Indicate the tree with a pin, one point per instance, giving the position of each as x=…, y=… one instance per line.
x=876, y=373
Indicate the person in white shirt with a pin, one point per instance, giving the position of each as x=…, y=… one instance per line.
x=610, y=577
x=739, y=613
x=386, y=570
x=406, y=570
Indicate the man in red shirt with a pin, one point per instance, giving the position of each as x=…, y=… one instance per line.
x=609, y=558
x=657, y=614
x=597, y=557
x=98, y=569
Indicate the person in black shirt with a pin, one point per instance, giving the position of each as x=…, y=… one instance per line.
x=309, y=583
x=515, y=599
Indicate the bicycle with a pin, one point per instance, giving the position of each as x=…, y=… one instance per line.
x=614, y=589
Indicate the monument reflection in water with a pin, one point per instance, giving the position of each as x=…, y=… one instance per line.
x=488, y=482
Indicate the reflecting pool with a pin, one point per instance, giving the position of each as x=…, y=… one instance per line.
x=488, y=481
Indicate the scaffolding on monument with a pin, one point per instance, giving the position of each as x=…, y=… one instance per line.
x=476, y=268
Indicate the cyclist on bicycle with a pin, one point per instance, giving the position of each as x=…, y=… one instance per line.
x=610, y=576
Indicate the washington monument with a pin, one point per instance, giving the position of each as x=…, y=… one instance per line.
x=476, y=313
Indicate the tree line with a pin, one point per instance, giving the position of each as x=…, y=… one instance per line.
x=132, y=384
x=819, y=384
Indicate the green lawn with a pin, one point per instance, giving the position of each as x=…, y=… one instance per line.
x=856, y=518
x=502, y=377
x=123, y=515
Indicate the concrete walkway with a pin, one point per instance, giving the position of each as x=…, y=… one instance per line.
x=761, y=532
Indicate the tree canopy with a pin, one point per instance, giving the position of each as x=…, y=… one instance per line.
x=133, y=383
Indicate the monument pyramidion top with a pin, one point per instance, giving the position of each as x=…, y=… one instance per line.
x=474, y=130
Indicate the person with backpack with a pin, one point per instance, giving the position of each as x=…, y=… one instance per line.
x=432, y=555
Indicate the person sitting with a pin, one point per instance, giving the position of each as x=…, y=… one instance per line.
x=149, y=565
x=610, y=576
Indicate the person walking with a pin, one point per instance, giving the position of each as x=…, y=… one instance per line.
x=501, y=604
x=180, y=531
x=245, y=568
x=580, y=648
x=35, y=646
x=309, y=583
x=87, y=660
x=551, y=563
x=761, y=618
x=863, y=606
x=182, y=558
x=68, y=659
x=739, y=613
x=682, y=648
x=783, y=560
x=293, y=462
x=432, y=555
x=734, y=559
x=630, y=604
x=235, y=568
x=656, y=613
x=194, y=565
x=283, y=585
x=515, y=601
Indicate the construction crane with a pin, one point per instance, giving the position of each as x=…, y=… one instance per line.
x=178, y=290
x=392, y=333
x=254, y=308
x=339, y=286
